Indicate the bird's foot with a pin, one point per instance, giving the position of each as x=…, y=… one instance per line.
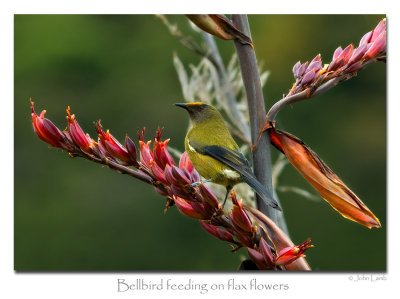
x=195, y=184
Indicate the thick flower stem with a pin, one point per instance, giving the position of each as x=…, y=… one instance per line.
x=255, y=100
x=233, y=110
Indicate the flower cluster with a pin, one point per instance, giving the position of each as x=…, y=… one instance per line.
x=345, y=62
x=240, y=230
x=180, y=184
x=264, y=258
x=178, y=181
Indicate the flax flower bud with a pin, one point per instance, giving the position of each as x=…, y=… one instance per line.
x=46, y=130
x=161, y=154
x=323, y=179
x=238, y=215
x=219, y=26
x=111, y=144
x=188, y=208
x=290, y=254
x=258, y=259
x=78, y=136
x=217, y=232
x=131, y=148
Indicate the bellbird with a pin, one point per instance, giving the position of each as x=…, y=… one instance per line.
x=214, y=153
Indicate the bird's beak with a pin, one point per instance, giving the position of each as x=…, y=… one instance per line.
x=182, y=105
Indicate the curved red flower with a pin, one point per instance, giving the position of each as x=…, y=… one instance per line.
x=112, y=145
x=290, y=254
x=78, y=136
x=46, y=130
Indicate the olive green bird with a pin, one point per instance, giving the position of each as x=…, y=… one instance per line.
x=214, y=153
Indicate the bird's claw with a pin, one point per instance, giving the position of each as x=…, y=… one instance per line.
x=195, y=184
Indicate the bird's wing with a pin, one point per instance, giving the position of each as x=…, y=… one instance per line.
x=237, y=161
x=232, y=158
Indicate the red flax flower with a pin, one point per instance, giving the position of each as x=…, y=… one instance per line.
x=78, y=136
x=161, y=154
x=190, y=209
x=109, y=145
x=239, y=216
x=46, y=130
x=217, y=232
x=290, y=254
x=323, y=179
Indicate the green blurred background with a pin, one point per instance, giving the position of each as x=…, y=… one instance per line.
x=71, y=214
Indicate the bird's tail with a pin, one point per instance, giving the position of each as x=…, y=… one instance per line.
x=261, y=191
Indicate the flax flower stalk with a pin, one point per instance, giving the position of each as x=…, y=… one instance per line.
x=178, y=182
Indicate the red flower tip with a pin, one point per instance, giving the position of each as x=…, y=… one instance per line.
x=187, y=208
x=238, y=215
x=336, y=63
x=103, y=149
x=366, y=38
x=185, y=163
x=158, y=173
x=146, y=155
x=169, y=176
x=258, y=259
x=32, y=105
x=262, y=257
x=289, y=254
x=232, y=195
x=161, y=154
x=159, y=133
x=131, y=148
x=317, y=58
x=180, y=177
x=99, y=128
x=358, y=54
x=378, y=46
x=301, y=70
x=354, y=67
x=217, y=232
x=381, y=27
x=337, y=52
x=309, y=77
x=78, y=136
x=45, y=129
x=112, y=145
x=296, y=69
x=141, y=134
x=346, y=53
x=208, y=196
x=266, y=251
x=315, y=64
